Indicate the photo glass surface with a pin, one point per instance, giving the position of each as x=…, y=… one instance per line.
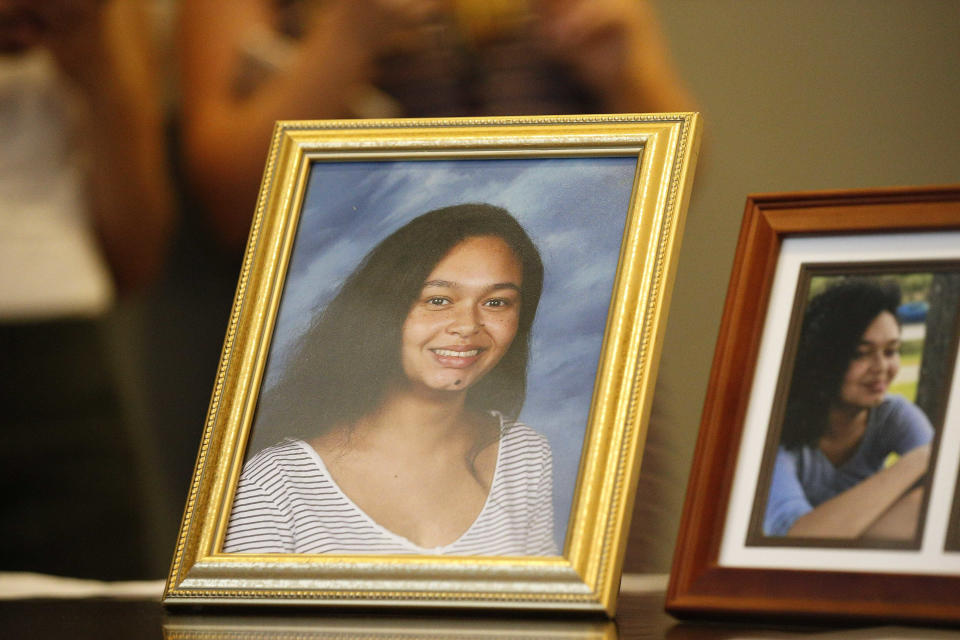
x=860, y=407
x=573, y=209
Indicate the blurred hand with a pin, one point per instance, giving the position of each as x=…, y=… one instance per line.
x=372, y=23
x=70, y=29
x=21, y=26
x=616, y=48
x=596, y=37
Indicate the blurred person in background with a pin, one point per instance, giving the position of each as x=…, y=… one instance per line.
x=247, y=63
x=85, y=215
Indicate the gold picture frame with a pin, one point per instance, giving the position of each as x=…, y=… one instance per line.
x=626, y=178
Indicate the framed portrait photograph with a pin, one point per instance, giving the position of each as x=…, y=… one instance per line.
x=825, y=477
x=439, y=367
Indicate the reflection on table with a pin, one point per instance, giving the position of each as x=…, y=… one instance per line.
x=127, y=613
x=377, y=627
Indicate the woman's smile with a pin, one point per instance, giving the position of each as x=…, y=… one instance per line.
x=456, y=357
x=877, y=387
x=466, y=316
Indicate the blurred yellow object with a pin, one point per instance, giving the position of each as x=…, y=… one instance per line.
x=482, y=20
x=891, y=459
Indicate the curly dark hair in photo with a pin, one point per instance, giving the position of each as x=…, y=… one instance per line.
x=345, y=360
x=833, y=324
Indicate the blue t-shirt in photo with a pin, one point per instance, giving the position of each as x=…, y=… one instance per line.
x=803, y=477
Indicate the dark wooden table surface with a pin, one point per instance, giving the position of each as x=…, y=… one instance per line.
x=639, y=616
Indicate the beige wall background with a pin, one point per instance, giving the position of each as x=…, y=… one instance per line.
x=820, y=94
x=795, y=95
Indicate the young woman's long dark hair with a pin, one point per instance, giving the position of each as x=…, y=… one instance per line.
x=343, y=363
x=833, y=325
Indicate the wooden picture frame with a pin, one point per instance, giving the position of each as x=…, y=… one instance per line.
x=604, y=199
x=722, y=566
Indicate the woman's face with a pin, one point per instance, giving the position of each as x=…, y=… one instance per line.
x=875, y=364
x=465, y=317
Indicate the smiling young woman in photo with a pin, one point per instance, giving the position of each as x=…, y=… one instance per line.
x=401, y=404
x=831, y=478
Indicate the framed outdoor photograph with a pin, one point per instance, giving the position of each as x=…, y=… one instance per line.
x=438, y=372
x=825, y=477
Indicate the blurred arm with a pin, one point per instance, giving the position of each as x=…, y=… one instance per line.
x=900, y=521
x=227, y=133
x=103, y=46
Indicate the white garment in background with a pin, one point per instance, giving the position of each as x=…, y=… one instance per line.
x=51, y=265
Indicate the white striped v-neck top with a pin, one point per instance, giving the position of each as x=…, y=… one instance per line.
x=287, y=502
